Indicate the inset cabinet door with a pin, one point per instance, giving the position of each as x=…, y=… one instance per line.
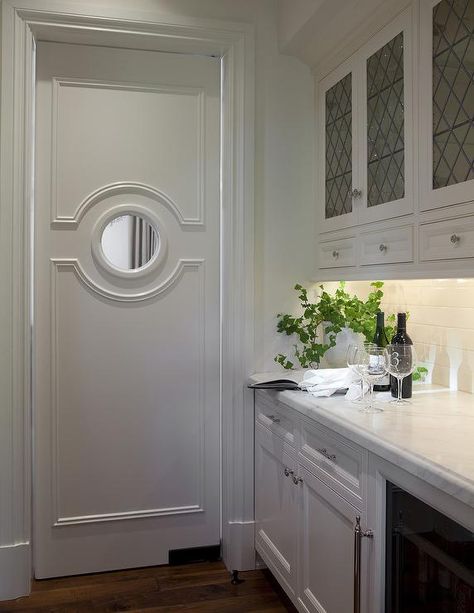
x=327, y=571
x=276, y=506
x=386, y=150
x=337, y=149
x=366, y=165
x=446, y=102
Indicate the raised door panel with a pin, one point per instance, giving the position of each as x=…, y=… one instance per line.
x=386, y=145
x=337, y=149
x=326, y=548
x=446, y=103
x=276, y=506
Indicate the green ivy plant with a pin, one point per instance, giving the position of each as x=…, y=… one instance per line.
x=307, y=328
x=326, y=317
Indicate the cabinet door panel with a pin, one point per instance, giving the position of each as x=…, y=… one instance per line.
x=337, y=151
x=275, y=506
x=326, y=558
x=387, y=117
x=447, y=102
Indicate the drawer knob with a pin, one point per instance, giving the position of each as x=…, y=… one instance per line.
x=382, y=247
x=327, y=455
x=455, y=238
x=335, y=254
x=275, y=420
x=355, y=193
x=297, y=479
x=288, y=471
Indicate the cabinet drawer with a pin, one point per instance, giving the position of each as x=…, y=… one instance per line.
x=447, y=240
x=387, y=246
x=337, y=253
x=340, y=464
x=274, y=415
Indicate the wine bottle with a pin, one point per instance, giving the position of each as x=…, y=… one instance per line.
x=401, y=338
x=380, y=339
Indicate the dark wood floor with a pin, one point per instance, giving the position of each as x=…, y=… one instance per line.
x=202, y=587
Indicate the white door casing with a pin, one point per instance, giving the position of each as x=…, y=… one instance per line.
x=24, y=22
x=126, y=363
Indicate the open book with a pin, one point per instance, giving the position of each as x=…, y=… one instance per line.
x=276, y=384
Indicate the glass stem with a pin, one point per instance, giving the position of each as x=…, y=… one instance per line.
x=371, y=395
x=362, y=389
x=399, y=379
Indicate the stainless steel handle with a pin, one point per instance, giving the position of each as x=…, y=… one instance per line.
x=326, y=454
x=355, y=193
x=382, y=247
x=275, y=420
x=455, y=238
x=335, y=254
x=288, y=471
x=297, y=479
x=359, y=534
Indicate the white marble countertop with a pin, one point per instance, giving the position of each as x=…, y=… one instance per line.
x=432, y=438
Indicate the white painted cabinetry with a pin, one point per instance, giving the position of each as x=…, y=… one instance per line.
x=395, y=142
x=310, y=491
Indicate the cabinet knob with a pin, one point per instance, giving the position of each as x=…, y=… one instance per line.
x=355, y=193
x=382, y=247
x=288, y=471
x=455, y=238
x=297, y=479
x=335, y=254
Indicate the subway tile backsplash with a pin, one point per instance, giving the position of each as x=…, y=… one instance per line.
x=441, y=324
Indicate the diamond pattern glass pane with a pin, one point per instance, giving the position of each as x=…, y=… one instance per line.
x=339, y=148
x=385, y=124
x=453, y=92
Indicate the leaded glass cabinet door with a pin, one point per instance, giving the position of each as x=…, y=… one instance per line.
x=336, y=144
x=447, y=102
x=386, y=163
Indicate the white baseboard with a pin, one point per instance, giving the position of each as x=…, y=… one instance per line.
x=15, y=571
x=240, y=551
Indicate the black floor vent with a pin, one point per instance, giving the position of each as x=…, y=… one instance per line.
x=210, y=553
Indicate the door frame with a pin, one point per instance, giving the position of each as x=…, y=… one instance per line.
x=23, y=23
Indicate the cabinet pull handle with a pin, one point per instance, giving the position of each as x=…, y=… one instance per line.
x=329, y=456
x=455, y=238
x=382, y=247
x=359, y=534
x=275, y=420
x=297, y=479
x=288, y=471
x=335, y=254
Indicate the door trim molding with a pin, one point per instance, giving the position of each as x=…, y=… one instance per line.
x=23, y=23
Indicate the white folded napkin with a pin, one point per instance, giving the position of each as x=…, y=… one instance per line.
x=327, y=381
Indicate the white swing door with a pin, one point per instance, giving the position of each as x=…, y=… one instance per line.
x=126, y=307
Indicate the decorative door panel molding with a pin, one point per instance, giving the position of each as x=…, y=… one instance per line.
x=61, y=220
x=59, y=267
x=74, y=265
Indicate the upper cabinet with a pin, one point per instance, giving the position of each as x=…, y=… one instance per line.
x=366, y=132
x=446, y=73
x=395, y=138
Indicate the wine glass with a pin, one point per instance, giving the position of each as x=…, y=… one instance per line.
x=372, y=366
x=351, y=361
x=401, y=362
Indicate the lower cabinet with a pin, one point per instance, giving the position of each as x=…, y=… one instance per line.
x=328, y=569
x=276, y=507
x=310, y=537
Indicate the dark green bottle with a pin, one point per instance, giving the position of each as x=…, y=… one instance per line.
x=380, y=339
x=401, y=338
